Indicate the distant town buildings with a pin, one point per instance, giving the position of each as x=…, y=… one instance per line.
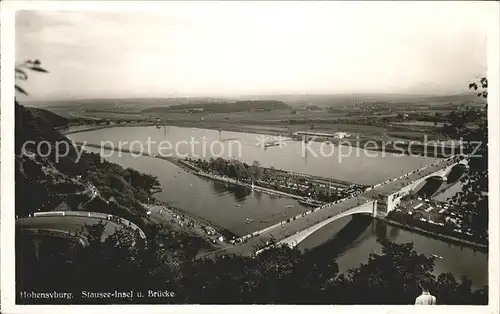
x=340, y=135
x=195, y=110
x=336, y=135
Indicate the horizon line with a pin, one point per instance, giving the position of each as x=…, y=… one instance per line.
x=432, y=94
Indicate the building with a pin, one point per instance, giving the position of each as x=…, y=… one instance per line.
x=340, y=135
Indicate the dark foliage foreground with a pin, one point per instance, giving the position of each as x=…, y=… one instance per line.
x=276, y=276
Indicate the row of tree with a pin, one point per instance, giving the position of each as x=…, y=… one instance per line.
x=277, y=276
x=472, y=201
x=268, y=177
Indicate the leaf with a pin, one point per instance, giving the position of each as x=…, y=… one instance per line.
x=20, y=74
x=484, y=82
x=19, y=89
x=35, y=62
x=38, y=69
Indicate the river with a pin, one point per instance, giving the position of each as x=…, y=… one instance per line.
x=228, y=206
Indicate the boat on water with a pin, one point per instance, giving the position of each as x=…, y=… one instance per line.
x=289, y=206
x=271, y=144
x=437, y=256
x=248, y=220
x=237, y=205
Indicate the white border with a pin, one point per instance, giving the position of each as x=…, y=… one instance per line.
x=7, y=176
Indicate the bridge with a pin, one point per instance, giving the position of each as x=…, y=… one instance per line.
x=389, y=194
x=378, y=200
x=368, y=207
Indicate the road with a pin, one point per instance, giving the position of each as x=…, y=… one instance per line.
x=65, y=223
x=251, y=245
x=287, y=229
x=394, y=185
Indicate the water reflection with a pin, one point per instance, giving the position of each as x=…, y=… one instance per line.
x=239, y=193
x=430, y=187
x=218, y=187
x=274, y=197
x=393, y=233
x=380, y=230
x=258, y=196
x=456, y=173
x=352, y=242
x=358, y=228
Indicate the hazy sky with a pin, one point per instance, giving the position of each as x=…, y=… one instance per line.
x=255, y=48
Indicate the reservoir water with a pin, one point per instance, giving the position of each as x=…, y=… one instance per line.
x=228, y=206
x=345, y=163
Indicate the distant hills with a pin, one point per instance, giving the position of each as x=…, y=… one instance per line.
x=97, y=103
x=49, y=117
x=223, y=107
x=352, y=99
x=259, y=102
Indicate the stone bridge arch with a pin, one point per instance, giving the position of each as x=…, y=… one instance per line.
x=442, y=175
x=366, y=208
x=410, y=188
x=422, y=184
x=452, y=176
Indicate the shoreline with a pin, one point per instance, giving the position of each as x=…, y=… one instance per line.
x=439, y=236
x=194, y=170
x=180, y=163
x=201, y=221
x=384, y=147
x=156, y=190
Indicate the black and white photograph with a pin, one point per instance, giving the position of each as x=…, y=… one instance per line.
x=250, y=153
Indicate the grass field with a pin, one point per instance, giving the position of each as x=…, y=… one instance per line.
x=280, y=121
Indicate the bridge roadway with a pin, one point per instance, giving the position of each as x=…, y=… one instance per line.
x=252, y=244
x=393, y=186
x=285, y=230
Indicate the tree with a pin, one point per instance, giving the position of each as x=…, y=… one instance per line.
x=279, y=275
x=473, y=201
x=388, y=278
x=481, y=87
x=21, y=73
x=256, y=170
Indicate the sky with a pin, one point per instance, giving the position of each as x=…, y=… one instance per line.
x=235, y=48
